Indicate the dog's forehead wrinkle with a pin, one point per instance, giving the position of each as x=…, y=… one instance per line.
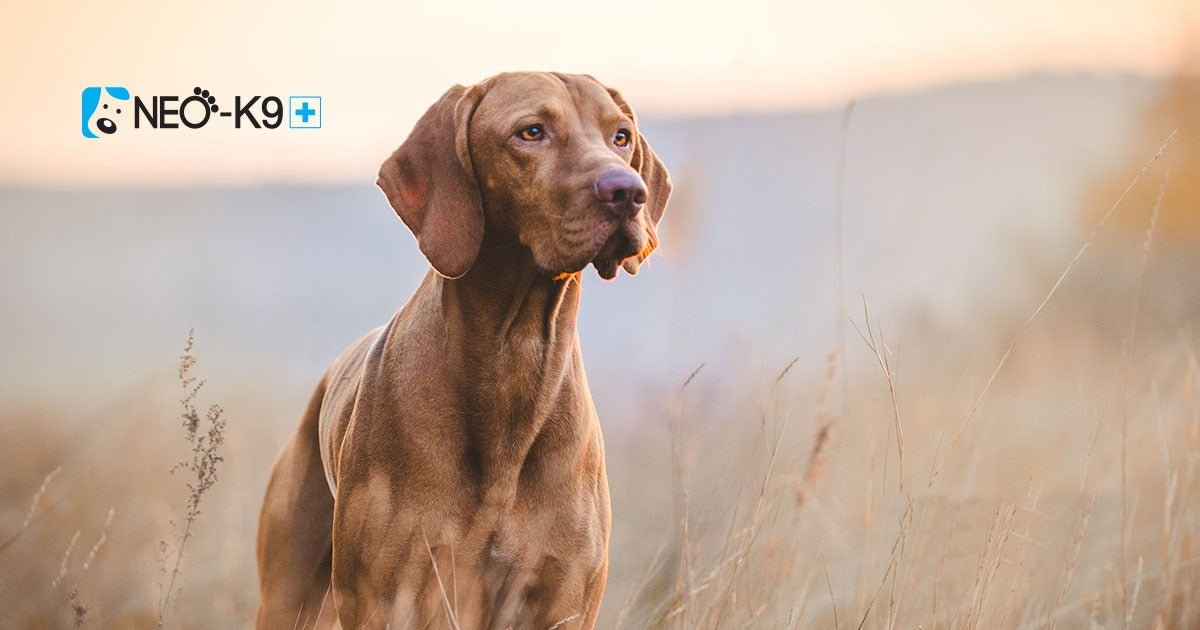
x=504, y=110
x=592, y=99
x=570, y=104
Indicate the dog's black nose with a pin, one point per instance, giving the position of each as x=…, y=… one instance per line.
x=621, y=190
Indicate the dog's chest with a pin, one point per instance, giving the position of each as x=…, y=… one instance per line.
x=519, y=364
x=527, y=533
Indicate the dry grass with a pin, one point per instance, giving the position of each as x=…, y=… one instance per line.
x=109, y=581
x=202, y=465
x=1051, y=511
x=1040, y=469
x=1053, y=498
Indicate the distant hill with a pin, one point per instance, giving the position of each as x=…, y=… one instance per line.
x=946, y=192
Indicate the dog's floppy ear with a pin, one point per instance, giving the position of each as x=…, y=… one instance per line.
x=430, y=183
x=658, y=184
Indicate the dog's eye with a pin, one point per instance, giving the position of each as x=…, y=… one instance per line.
x=622, y=138
x=532, y=133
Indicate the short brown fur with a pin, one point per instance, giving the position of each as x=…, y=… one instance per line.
x=460, y=440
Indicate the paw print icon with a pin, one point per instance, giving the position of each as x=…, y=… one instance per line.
x=304, y=112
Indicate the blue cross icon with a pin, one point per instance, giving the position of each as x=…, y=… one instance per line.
x=305, y=112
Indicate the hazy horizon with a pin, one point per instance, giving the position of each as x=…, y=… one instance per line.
x=216, y=247
x=366, y=173
x=377, y=66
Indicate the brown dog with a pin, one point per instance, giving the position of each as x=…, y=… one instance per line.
x=449, y=470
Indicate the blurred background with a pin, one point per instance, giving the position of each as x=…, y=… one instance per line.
x=873, y=203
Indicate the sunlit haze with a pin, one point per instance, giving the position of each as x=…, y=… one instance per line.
x=377, y=66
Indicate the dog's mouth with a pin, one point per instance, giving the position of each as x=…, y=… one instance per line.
x=626, y=241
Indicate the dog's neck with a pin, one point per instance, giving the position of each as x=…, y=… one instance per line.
x=514, y=327
x=505, y=298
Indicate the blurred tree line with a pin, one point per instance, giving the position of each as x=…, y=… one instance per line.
x=1178, y=109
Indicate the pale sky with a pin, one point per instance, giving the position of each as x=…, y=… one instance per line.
x=377, y=66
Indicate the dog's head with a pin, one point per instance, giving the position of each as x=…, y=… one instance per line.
x=552, y=161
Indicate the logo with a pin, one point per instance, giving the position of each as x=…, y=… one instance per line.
x=101, y=108
x=306, y=112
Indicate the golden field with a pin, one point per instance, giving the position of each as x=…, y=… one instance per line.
x=1033, y=464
